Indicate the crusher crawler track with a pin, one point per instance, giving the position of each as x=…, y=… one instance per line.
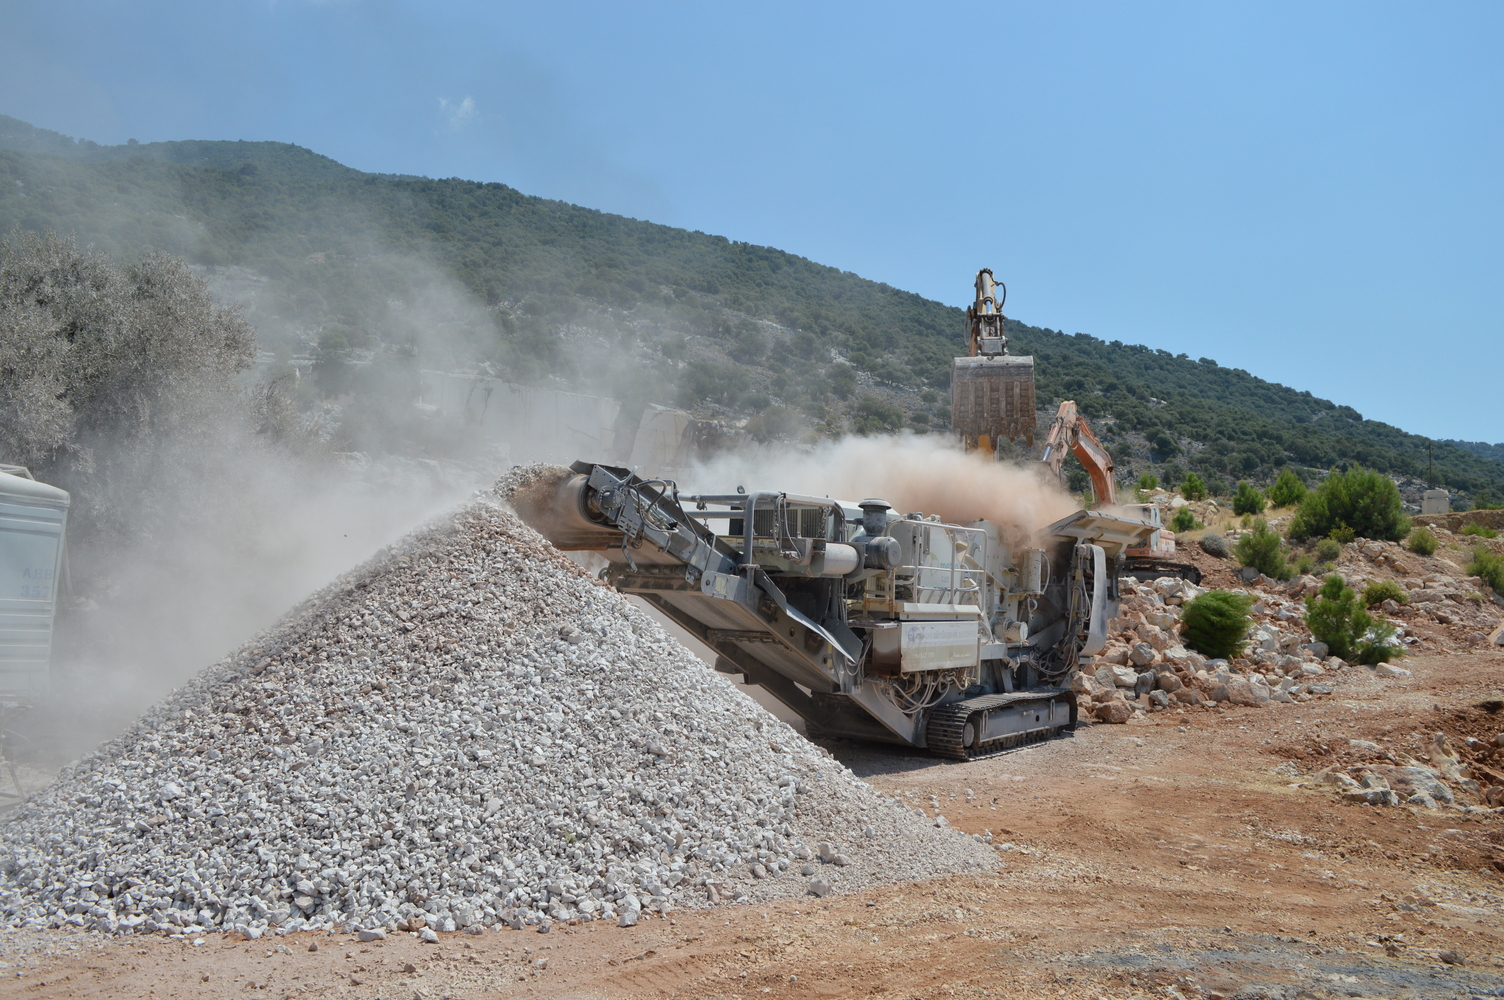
x=978, y=727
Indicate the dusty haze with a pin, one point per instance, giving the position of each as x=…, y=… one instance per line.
x=931, y=474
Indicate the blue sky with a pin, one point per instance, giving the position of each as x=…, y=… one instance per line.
x=1308, y=191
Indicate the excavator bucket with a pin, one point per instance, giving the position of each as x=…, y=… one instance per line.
x=991, y=391
x=993, y=397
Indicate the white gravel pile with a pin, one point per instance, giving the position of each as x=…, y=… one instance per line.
x=466, y=731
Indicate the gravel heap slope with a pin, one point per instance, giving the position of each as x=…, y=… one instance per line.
x=467, y=730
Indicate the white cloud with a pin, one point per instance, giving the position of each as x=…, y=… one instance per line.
x=457, y=114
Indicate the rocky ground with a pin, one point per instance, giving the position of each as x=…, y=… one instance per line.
x=1204, y=847
x=1174, y=856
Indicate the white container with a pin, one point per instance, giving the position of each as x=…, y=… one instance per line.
x=33, y=517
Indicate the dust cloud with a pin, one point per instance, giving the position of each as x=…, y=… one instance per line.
x=932, y=474
x=248, y=538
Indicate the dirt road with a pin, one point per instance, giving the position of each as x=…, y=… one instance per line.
x=1184, y=854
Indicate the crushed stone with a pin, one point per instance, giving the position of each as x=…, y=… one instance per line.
x=465, y=731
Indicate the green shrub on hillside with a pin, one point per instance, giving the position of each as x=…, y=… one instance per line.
x=1328, y=550
x=1489, y=567
x=1364, y=502
x=1263, y=549
x=1335, y=616
x=1216, y=623
x=1304, y=563
x=1193, y=488
x=1214, y=544
x=870, y=415
x=1478, y=531
x=1288, y=490
x=1379, y=591
x=1422, y=542
x=1184, y=520
x=1148, y=481
x=1248, y=500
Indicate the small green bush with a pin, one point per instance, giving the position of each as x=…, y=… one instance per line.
x=1304, y=563
x=1214, y=544
x=1248, y=500
x=1489, y=567
x=1379, y=591
x=1379, y=645
x=1148, y=481
x=1193, y=488
x=1328, y=550
x=1185, y=520
x=1422, y=542
x=1216, y=623
x=1364, y=502
x=1335, y=616
x=1263, y=549
x=1342, y=534
x=1288, y=490
x=1478, y=531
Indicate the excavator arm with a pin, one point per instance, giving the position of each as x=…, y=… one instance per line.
x=1069, y=432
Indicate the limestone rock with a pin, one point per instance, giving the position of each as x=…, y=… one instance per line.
x=1115, y=712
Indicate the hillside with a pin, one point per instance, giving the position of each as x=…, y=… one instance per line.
x=349, y=266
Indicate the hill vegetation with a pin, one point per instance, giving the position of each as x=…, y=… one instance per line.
x=344, y=265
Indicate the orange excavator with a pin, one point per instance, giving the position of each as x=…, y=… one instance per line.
x=1069, y=433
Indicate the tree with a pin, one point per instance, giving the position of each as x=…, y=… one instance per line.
x=1148, y=481
x=100, y=364
x=1184, y=520
x=1336, y=616
x=1288, y=490
x=1365, y=502
x=1262, y=548
x=1193, y=488
x=1248, y=499
x=1217, y=622
x=870, y=415
x=842, y=379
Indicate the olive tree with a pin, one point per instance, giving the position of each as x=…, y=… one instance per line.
x=111, y=375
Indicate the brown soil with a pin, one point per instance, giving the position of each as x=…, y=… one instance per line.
x=1180, y=855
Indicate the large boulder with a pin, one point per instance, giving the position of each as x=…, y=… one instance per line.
x=1114, y=712
x=1245, y=693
